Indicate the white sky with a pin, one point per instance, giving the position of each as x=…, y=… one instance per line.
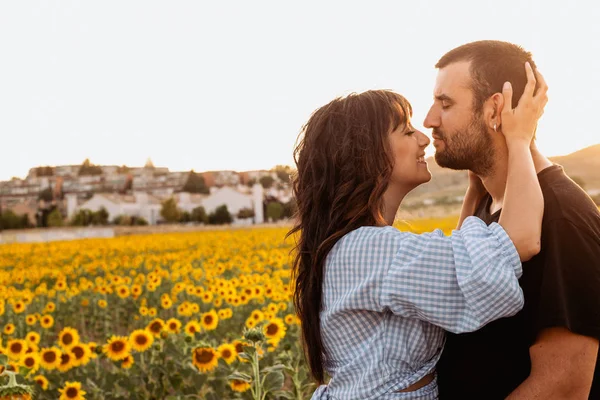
x=227, y=85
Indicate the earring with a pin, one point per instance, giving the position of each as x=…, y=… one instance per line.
x=495, y=128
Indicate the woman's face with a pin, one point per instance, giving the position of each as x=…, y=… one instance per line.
x=408, y=147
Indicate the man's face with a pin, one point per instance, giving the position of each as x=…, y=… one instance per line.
x=461, y=137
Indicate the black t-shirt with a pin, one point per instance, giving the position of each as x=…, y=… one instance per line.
x=561, y=286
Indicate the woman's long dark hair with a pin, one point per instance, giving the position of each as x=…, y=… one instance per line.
x=344, y=164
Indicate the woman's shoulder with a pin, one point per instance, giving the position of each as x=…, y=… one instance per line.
x=370, y=238
x=373, y=232
x=362, y=254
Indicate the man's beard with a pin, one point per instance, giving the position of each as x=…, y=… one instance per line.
x=470, y=148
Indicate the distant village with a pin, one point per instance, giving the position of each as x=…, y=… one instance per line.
x=88, y=194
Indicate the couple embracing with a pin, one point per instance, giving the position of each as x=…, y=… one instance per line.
x=507, y=306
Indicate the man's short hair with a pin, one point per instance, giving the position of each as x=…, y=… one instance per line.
x=492, y=63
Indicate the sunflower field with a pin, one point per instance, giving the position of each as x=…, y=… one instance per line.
x=201, y=315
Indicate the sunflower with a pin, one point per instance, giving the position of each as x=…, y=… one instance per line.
x=227, y=352
x=269, y=315
x=10, y=366
x=156, y=326
x=42, y=381
x=31, y=361
x=47, y=321
x=72, y=391
x=32, y=337
x=257, y=316
x=117, y=348
x=239, y=346
x=19, y=306
x=123, y=291
x=9, y=329
x=238, y=385
x=30, y=319
x=184, y=310
x=244, y=299
x=207, y=297
x=102, y=303
x=136, y=290
x=82, y=354
x=66, y=361
x=92, y=346
x=141, y=340
x=50, y=358
x=205, y=359
x=68, y=338
x=209, y=320
x=143, y=310
x=16, y=348
x=174, y=325
x=152, y=312
x=60, y=285
x=127, y=362
x=274, y=330
x=250, y=323
x=166, y=303
x=191, y=328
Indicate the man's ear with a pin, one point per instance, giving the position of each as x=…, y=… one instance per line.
x=493, y=116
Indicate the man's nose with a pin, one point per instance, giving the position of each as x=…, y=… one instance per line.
x=431, y=119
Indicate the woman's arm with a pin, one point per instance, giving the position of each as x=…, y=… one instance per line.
x=523, y=207
x=459, y=282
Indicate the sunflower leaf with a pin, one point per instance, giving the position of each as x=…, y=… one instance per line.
x=250, y=350
x=282, y=394
x=274, y=368
x=240, y=376
x=273, y=381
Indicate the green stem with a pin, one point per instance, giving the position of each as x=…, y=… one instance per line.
x=256, y=368
x=12, y=378
x=297, y=383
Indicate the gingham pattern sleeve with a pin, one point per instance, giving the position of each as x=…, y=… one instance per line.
x=459, y=282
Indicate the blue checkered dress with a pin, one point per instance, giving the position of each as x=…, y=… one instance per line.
x=389, y=295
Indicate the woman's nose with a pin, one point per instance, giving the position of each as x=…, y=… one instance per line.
x=423, y=139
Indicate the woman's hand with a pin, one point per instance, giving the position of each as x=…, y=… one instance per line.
x=519, y=124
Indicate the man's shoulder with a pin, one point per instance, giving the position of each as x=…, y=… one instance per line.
x=565, y=200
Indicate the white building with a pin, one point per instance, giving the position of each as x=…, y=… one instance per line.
x=137, y=205
x=148, y=206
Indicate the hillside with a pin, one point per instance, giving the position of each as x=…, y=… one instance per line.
x=584, y=165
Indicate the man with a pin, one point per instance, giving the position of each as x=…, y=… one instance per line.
x=549, y=349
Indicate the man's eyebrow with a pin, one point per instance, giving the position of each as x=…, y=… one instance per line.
x=443, y=97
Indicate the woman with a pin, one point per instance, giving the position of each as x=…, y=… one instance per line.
x=374, y=301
